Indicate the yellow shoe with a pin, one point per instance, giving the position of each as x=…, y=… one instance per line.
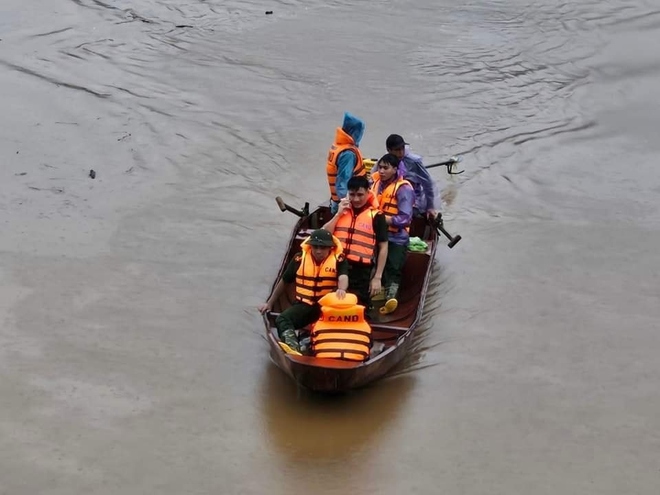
x=288, y=349
x=389, y=307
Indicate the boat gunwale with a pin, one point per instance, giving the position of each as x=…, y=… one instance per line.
x=405, y=333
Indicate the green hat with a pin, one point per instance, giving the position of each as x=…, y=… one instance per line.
x=320, y=237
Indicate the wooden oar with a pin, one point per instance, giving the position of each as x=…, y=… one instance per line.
x=285, y=207
x=438, y=224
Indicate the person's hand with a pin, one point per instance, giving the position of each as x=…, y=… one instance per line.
x=265, y=307
x=341, y=294
x=375, y=286
x=344, y=205
x=431, y=214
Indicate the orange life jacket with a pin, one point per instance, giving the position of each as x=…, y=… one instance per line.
x=356, y=233
x=341, y=332
x=314, y=280
x=343, y=142
x=387, y=202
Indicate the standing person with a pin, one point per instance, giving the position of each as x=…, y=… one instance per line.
x=319, y=269
x=395, y=197
x=417, y=174
x=362, y=230
x=344, y=158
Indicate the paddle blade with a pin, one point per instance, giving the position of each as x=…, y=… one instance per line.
x=451, y=168
x=454, y=241
x=369, y=163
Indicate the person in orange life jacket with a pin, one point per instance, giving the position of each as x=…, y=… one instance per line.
x=417, y=174
x=344, y=158
x=395, y=197
x=319, y=269
x=362, y=230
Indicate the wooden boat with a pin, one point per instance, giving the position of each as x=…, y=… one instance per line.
x=394, y=331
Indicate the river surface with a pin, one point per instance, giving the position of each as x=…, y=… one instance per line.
x=131, y=353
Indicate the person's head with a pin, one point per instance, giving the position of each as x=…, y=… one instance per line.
x=388, y=166
x=358, y=191
x=353, y=126
x=396, y=145
x=321, y=243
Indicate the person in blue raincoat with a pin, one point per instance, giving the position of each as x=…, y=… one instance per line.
x=344, y=158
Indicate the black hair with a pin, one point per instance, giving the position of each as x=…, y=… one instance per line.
x=390, y=159
x=357, y=182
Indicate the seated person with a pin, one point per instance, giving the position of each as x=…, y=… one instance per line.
x=395, y=197
x=417, y=174
x=362, y=230
x=319, y=269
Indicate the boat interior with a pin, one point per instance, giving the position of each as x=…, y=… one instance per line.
x=385, y=328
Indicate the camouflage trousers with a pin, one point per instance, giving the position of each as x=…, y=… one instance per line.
x=396, y=258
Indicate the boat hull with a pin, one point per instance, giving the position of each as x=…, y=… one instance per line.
x=335, y=376
x=393, y=333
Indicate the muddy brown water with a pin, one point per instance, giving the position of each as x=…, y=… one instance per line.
x=131, y=353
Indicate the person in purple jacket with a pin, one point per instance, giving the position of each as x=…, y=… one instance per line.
x=417, y=174
x=395, y=197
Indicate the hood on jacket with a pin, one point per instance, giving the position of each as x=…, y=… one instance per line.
x=353, y=126
x=401, y=170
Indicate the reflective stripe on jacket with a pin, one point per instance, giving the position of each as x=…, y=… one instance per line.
x=387, y=202
x=341, y=332
x=356, y=233
x=314, y=280
x=343, y=142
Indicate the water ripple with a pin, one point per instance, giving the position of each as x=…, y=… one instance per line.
x=51, y=79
